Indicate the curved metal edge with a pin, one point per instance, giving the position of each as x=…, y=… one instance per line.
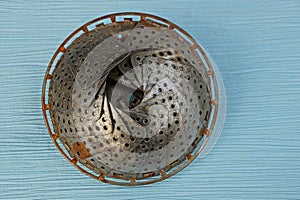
x=220, y=104
x=189, y=158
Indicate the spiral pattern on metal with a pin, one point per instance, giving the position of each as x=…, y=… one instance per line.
x=132, y=101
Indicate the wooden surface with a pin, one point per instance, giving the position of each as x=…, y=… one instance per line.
x=256, y=45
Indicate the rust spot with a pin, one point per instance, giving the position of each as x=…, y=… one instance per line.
x=210, y=73
x=132, y=180
x=55, y=136
x=74, y=161
x=163, y=173
x=48, y=76
x=62, y=49
x=85, y=29
x=214, y=102
x=203, y=131
x=46, y=107
x=102, y=177
x=113, y=18
x=189, y=156
x=90, y=165
x=81, y=150
x=119, y=176
x=147, y=175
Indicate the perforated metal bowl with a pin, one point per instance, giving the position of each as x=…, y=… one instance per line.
x=133, y=99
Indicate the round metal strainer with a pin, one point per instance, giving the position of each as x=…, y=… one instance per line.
x=133, y=99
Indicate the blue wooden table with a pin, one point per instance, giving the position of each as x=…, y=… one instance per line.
x=256, y=45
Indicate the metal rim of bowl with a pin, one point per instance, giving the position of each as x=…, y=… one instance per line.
x=198, y=50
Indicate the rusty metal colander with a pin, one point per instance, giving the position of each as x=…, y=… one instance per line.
x=132, y=101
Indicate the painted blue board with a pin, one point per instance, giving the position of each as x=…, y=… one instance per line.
x=256, y=45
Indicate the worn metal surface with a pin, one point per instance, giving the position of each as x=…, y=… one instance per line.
x=132, y=99
x=256, y=45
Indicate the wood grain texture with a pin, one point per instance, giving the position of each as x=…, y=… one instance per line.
x=256, y=45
